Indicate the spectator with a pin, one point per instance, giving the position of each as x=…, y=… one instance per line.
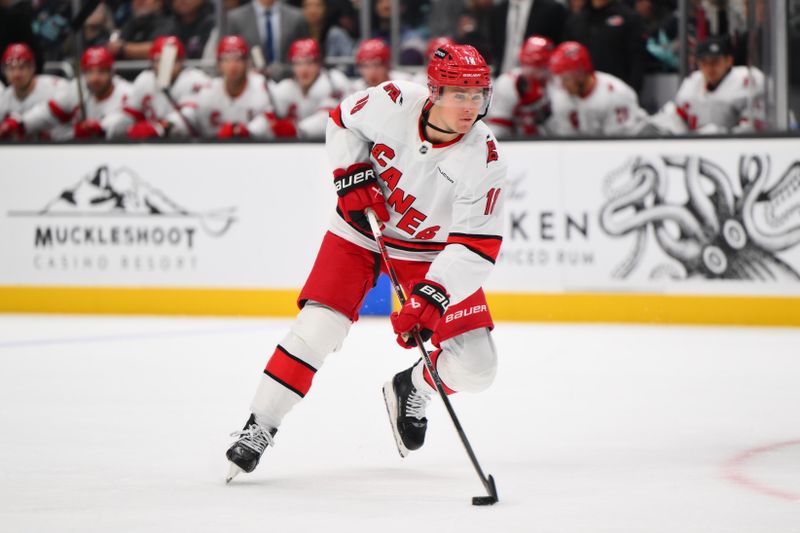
x=96, y=30
x=86, y=113
x=512, y=21
x=588, y=102
x=194, y=22
x=412, y=39
x=16, y=26
x=137, y=35
x=332, y=39
x=373, y=60
x=615, y=37
x=661, y=27
x=303, y=102
x=149, y=111
x=25, y=90
x=273, y=26
x=473, y=27
x=717, y=98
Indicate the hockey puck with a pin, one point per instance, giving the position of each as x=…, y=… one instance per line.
x=484, y=500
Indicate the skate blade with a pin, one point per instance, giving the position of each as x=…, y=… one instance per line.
x=233, y=471
x=389, y=398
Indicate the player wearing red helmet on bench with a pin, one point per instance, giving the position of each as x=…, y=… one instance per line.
x=373, y=61
x=589, y=102
x=25, y=91
x=224, y=109
x=302, y=102
x=520, y=103
x=104, y=95
x=146, y=112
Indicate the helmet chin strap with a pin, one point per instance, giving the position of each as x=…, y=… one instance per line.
x=426, y=122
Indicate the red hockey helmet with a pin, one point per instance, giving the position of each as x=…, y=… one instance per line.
x=459, y=65
x=373, y=50
x=18, y=53
x=160, y=42
x=536, y=51
x=436, y=43
x=570, y=57
x=304, y=49
x=97, y=57
x=232, y=45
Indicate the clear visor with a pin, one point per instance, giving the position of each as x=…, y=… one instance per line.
x=465, y=97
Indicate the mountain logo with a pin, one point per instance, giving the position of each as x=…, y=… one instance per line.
x=122, y=193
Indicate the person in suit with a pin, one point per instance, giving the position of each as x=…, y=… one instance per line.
x=286, y=25
x=512, y=21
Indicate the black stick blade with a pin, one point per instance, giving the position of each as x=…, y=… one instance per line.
x=491, y=499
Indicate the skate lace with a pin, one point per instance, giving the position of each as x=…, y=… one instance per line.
x=255, y=436
x=416, y=403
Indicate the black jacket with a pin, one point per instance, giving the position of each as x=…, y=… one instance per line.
x=546, y=18
x=616, y=39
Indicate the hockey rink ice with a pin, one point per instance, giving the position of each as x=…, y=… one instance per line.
x=113, y=424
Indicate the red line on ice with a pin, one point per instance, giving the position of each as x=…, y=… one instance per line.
x=733, y=471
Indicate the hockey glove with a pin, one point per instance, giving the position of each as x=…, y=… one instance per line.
x=358, y=190
x=423, y=310
x=88, y=129
x=231, y=130
x=145, y=130
x=11, y=128
x=282, y=128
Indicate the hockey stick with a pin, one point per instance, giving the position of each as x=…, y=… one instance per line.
x=488, y=482
x=164, y=79
x=74, y=25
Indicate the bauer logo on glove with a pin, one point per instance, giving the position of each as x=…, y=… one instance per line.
x=423, y=310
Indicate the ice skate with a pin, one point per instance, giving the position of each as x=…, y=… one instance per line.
x=245, y=453
x=406, y=408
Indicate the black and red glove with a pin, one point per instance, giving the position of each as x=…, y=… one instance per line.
x=358, y=190
x=423, y=310
x=11, y=128
x=89, y=129
x=231, y=130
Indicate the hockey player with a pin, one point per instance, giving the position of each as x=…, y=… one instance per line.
x=520, y=103
x=431, y=171
x=145, y=115
x=373, y=59
x=302, y=102
x=25, y=89
x=716, y=98
x=225, y=108
x=586, y=102
x=103, y=93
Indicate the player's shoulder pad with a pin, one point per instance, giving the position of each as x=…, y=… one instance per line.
x=401, y=91
x=481, y=146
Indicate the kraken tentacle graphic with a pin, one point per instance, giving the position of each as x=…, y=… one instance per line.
x=716, y=232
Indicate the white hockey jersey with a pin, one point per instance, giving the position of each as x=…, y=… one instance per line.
x=395, y=75
x=612, y=108
x=736, y=104
x=445, y=201
x=45, y=88
x=147, y=102
x=212, y=107
x=518, y=106
x=59, y=114
x=310, y=110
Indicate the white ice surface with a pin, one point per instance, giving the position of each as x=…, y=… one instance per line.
x=120, y=424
